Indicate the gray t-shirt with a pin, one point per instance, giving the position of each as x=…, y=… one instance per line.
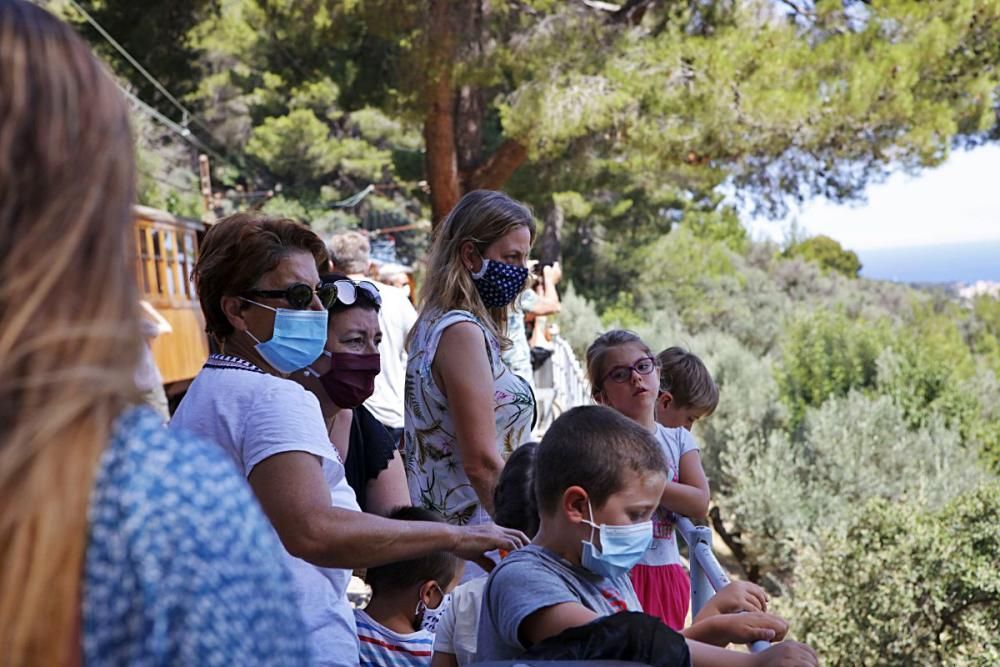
x=534, y=578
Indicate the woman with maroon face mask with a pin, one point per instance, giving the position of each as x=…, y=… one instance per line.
x=343, y=378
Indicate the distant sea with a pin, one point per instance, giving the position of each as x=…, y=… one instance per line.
x=946, y=263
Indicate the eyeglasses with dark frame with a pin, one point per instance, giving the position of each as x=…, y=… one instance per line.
x=299, y=296
x=622, y=374
x=346, y=291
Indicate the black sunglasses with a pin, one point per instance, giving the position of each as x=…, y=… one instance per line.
x=346, y=291
x=299, y=296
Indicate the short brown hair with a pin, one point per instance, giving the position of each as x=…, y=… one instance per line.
x=439, y=566
x=350, y=252
x=600, y=348
x=237, y=251
x=687, y=379
x=592, y=446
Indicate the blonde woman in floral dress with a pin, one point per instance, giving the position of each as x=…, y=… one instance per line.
x=465, y=410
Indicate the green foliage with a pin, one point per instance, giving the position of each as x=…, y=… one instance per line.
x=781, y=491
x=578, y=320
x=828, y=254
x=901, y=585
x=827, y=354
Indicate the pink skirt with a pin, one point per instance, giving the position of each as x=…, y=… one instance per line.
x=663, y=591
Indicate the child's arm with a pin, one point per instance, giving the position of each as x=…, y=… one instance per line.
x=689, y=496
x=552, y=620
x=745, y=628
x=444, y=660
x=785, y=654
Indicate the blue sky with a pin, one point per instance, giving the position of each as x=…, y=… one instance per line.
x=958, y=202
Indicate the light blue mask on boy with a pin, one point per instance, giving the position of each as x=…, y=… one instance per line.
x=298, y=339
x=621, y=547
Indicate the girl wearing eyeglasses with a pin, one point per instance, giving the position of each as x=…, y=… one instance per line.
x=624, y=375
x=465, y=410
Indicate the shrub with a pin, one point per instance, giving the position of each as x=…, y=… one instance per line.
x=781, y=492
x=828, y=254
x=904, y=585
x=827, y=354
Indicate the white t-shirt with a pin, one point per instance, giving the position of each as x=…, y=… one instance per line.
x=396, y=318
x=252, y=415
x=458, y=629
x=675, y=443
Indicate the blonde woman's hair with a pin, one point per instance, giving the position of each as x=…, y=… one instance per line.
x=598, y=350
x=482, y=217
x=69, y=319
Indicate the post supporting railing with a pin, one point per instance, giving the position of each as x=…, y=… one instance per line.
x=707, y=575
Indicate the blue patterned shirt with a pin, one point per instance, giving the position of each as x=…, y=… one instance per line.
x=181, y=567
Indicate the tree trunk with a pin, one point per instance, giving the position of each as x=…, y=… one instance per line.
x=439, y=122
x=469, y=128
x=499, y=167
x=551, y=245
x=470, y=102
x=732, y=540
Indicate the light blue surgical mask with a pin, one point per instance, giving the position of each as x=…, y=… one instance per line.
x=621, y=547
x=298, y=339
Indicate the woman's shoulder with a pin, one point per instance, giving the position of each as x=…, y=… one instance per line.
x=176, y=541
x=169, y=476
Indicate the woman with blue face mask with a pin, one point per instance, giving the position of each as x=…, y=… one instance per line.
x=258, y=280
x=465, y=410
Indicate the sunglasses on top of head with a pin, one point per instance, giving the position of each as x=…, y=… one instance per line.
x=346, y=291
x=299, y=296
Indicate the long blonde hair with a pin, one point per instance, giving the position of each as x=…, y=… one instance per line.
x=482, y=217
x=69, y=319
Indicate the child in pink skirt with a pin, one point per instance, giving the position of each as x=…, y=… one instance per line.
x=625, y=375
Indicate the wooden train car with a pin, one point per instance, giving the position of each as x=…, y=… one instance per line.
x=167, y=247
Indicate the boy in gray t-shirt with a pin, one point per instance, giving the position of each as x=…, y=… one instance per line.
x=533, y=578
x=598, y=478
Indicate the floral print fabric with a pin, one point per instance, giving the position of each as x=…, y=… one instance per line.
x=434, y=469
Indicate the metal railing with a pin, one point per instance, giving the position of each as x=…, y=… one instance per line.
x=707, y=575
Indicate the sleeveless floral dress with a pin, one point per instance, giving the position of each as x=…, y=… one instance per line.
x=434, y=469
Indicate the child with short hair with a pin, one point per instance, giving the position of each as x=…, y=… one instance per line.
x=687, y=391
x=624, y=376
x=598, y=479
x=513, y=507
x=397, y=627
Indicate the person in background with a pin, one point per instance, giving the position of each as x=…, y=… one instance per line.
x=397, y=275
x=465, y=410
x=623, y=375
x=540, y=300
x=372, y=463
x=262, y=299
x=598, y=479
x=350, y=255
x=397, y=627
x=687, y=391
x=121, y=543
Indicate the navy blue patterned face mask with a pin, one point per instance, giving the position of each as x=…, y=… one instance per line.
x=499, y=283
